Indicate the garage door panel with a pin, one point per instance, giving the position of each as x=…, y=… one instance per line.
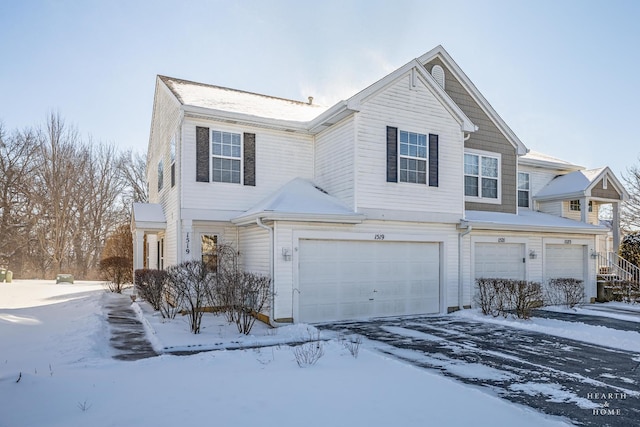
x=565, y=261
x=366, y=279
x=499, y=260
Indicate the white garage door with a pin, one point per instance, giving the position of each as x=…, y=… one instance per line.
x=500, y=260
x=565, y=261
x=342, y=280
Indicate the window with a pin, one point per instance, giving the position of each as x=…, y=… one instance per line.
x=208, y=249
x=481, y=175
x=413, y=157
x=523, y=190
x=574, y=205
x=160, y=175
x=172, y=155
x=226, y=149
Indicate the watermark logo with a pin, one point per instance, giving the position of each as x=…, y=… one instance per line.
x=605, y=400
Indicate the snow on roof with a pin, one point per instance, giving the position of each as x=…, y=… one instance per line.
x=299, y=198
x=148, y=212
x=236, y=101
x=527, y=219
x=570, y=184
x=536, y=157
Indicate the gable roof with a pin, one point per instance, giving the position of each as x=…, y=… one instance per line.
x=578, y=184
x=472, y=90
x=300, y=200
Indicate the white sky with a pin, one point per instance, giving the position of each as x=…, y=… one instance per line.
x=562, y=74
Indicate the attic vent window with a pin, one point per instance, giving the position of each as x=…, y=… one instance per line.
x=438, y=74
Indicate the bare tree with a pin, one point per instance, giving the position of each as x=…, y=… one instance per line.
x=630, y=213
x=17, y=164
x=133, y=169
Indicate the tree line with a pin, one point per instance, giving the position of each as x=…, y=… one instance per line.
x=61, y=196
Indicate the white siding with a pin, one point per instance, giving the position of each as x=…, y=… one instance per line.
x=413, y=110
x=334, y=161
x=534, y=266
x=254, y=249
x=552, y=208
x=285, y=270
x=538, y=177
x=280, y=157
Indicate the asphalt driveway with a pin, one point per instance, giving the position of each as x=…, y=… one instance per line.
x=588, y=384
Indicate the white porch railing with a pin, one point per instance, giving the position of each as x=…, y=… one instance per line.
x=620, y=273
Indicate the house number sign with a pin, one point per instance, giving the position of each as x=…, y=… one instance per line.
x=378, y=237
x=501, y=239
x=187, y=250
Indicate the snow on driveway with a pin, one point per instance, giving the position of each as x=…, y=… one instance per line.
x=586, y=372
x=57, y=369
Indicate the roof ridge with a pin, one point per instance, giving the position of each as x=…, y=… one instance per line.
x=184, y=81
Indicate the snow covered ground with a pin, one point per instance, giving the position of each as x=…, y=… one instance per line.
x=56, y=369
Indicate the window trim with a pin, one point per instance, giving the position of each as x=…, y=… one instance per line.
x=479, y=198
x=212, y=156
x=528, y=190
x=425, y=159
x=574, y=206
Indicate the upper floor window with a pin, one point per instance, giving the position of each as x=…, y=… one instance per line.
x=481, y=176
x=413, y=157
x=227, y=156
x=523, y=189
x=160, y=174
x=574, y=205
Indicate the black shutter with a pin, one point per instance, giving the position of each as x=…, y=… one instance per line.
x=202, y=154
x=433, y=160
x=392, y=154
x=250, y=159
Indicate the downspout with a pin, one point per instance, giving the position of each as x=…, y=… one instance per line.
x=460, y=287
x=272, y=321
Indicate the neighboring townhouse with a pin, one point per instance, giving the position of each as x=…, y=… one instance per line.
x=389, y=203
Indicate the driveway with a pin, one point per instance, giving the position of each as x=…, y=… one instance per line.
x=589, y=384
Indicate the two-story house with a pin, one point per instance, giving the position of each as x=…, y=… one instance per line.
x=389, y=203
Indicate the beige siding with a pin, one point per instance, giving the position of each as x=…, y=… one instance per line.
x=487, y=138
x=280, y=157
x=334, y=161
x=413, y=110
x=609, y=193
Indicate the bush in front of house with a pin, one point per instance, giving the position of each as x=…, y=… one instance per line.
x=565, y=291
x=151, y=286
x=192, y=282
x=117, y=271
x=500, y=297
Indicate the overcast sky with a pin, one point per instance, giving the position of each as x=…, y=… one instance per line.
x=562, y=74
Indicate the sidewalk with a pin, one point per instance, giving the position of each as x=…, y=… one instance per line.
x=128, y=335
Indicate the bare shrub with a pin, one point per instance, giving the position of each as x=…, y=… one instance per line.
x=239, y=294
x=309, y=353
x=353, y=345
x=565, y=291
x=192, y=283
x=498, y=296
x=525, y=297
x=150, y=285
x=116, y=270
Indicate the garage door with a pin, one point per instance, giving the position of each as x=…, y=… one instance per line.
x=500, y=260
x=340, y=280
x=565, y=261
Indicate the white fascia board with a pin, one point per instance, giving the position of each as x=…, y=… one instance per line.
x=535, y=228
x=244, y=119
x=561, y=197
x=282, y=216
x=473, y=91
x=333, y=115
x=150, y=225
x=549, y=165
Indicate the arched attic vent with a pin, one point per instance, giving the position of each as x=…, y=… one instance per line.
x=438, y=74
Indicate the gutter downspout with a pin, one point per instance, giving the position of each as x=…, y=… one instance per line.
x=460, y=287
x=272, y=322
